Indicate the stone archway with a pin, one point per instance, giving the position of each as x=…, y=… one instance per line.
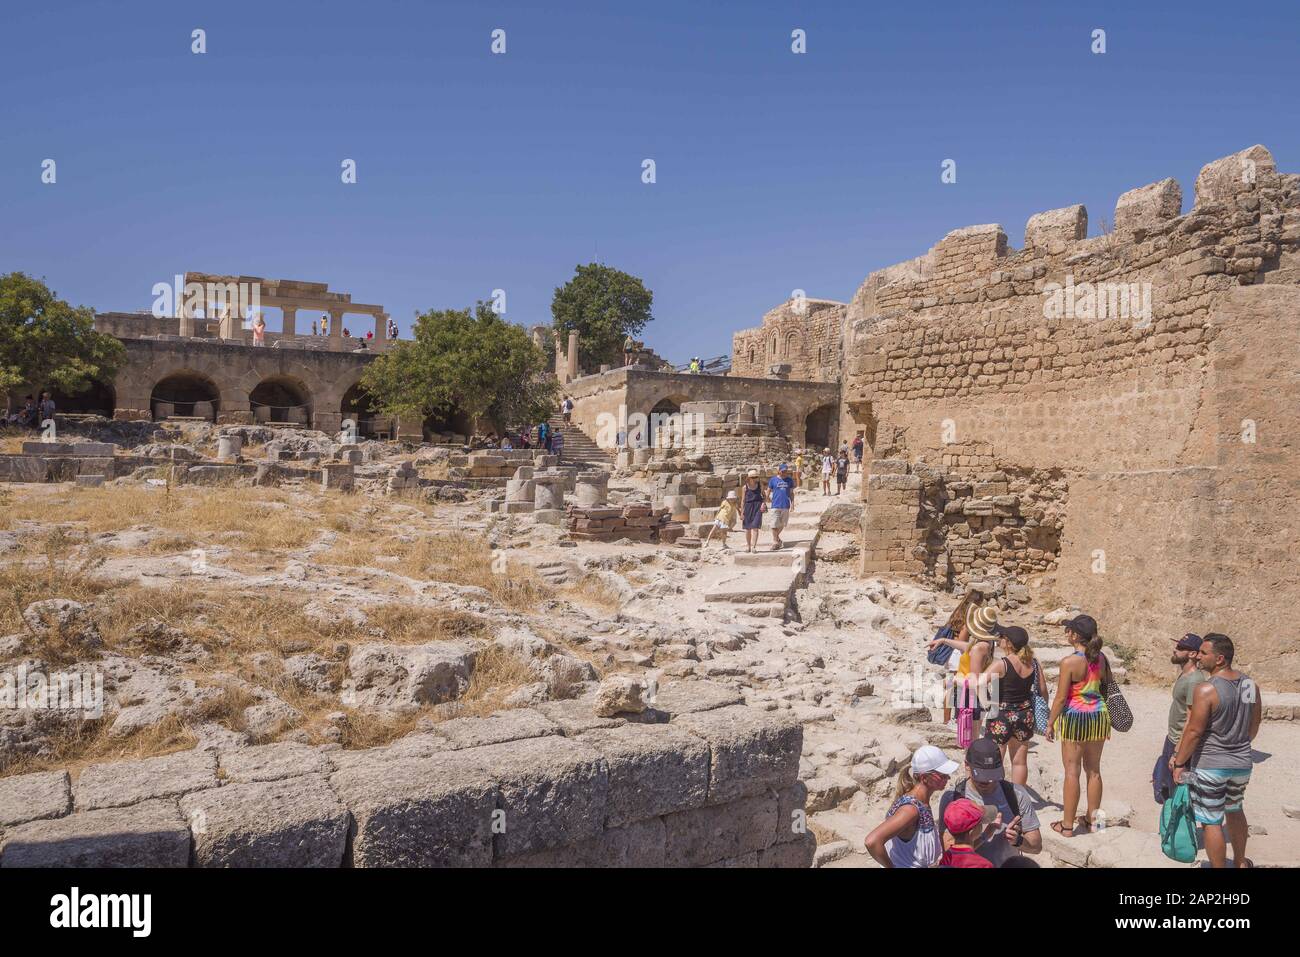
x=281, y=398
x=819, y=428
x=185, y=392
x=99, y=399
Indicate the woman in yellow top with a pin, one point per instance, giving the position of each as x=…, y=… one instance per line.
x=976, y=647
x=724, y=521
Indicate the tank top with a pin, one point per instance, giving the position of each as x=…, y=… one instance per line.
x=1013, y=690
x=1226, y=745
x=923, y=849
x=1085, y=696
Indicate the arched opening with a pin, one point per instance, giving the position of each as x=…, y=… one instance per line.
x=819, y=427
x=281, y=399
x=450, y=426
x=99, y=399
x=751, y=355
x=358, y=407
x=188, y=394
x=774, y=352
x=664, y=425
x=791, y=344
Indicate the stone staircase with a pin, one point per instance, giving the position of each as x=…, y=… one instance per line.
x=762, y=584
x=579, y=449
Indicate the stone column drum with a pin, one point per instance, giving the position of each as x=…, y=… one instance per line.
x=591, y=488
x=548, y=499
x=337, y=475
x=229, y=447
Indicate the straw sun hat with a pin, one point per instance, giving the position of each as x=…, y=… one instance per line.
x=981, y=622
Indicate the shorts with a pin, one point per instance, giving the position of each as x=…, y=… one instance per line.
x=1012, y=722
x=780, y=516
x=1215, y=792
x=721, y=525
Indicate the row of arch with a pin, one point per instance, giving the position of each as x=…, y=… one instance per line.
x=793, y=348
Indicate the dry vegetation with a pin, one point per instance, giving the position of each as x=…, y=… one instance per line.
x=235, y=639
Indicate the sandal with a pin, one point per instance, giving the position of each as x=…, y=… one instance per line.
x=1083, y=826
x=1063, y=831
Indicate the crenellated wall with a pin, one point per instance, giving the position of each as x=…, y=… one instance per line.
x=1156, y=367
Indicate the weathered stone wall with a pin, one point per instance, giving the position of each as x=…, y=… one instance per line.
x=806, y=334
x=637, y=391
x=707, y=782
x=1141, y=352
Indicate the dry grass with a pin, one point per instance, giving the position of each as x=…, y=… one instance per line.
x=591, y=590
x=56, y=574
x=88, y=742
x=269, y=522
x=12, y=439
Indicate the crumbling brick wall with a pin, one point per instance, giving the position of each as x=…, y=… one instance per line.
x=806, y=334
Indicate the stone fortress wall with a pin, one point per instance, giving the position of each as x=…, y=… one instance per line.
x=700, y=780
x=1136, y=394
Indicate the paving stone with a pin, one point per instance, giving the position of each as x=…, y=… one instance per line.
x=31, y=797
x=121, y=783
x=653, y=770
x=271, y=762
x=148, y=834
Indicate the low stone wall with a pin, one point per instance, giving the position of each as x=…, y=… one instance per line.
x=610, y=523
x=701, y=780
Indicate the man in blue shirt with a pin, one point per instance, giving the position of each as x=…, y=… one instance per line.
x=781, y=486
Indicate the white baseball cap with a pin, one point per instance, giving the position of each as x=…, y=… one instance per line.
x=929, y=758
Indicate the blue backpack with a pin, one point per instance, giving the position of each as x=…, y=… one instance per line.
x=939, y=654
x=1178, y=827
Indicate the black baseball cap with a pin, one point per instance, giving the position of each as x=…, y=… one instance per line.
x=1189, y=642
x=1014, y=634
x=1083, y=625
x=985, y=760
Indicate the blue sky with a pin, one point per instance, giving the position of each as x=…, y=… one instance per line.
x=775, y=171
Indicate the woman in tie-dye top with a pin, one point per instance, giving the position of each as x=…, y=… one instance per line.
x=1081, y=720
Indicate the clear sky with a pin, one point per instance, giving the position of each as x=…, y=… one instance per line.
x=775, y=171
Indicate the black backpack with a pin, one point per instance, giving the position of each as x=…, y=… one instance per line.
x=959, y=791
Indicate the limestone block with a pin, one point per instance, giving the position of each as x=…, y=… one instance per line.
x=1224, y=178
x=97, y=449
x=797, y=853
x=1066, y=225
x=521, y=490
x=149, y=834
x=515, y=508
x=513, y=725
x=553, y=792
x=399, y=678
x=46, y=448
x=293, y=822
x=1148, y=206
x=28, y=468
x=705, y=835
x=229, y=446
x=121, y=783
x=90, y=481
x=31, y=797
x=548, y=492
x=272, y=762
x=653, y=770
x=337, y=475
x=637, y=845
x=750, y=750
x=424, y=811
x=549, y=516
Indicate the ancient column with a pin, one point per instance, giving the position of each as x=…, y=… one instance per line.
x=289, y=324
x=381, y=332
x=336, y=329
x=548, y=498
x=591, y=488
x=573, y=355
x=229, y=447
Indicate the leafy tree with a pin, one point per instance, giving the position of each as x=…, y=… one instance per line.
x=605, y=306
x=464, y=359
x=47, y=344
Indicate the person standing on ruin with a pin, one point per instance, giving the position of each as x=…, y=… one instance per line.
x=857, y=450
x=753, y=505
x=557, y=443
x=325, y=325
x=781, y=487
x=1187, y=656
x=259, y=331
x=566, y=408
x=828, y=465
x=1214, y=754
x=544, y=436
x=842, y=471
x=1081, y=719
x=1017, y=675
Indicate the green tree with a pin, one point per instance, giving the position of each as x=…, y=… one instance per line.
x=47, y=344
x=604, y=306
x=467, y=360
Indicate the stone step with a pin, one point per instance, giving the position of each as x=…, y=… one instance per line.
x=786, y=557
x=764, y=610
x=756, y=585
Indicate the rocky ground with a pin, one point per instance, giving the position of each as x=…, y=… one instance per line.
x=219, y=617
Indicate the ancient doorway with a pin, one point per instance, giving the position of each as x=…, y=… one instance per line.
x=281, y=399
x=819, y=428
x=185, y=394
